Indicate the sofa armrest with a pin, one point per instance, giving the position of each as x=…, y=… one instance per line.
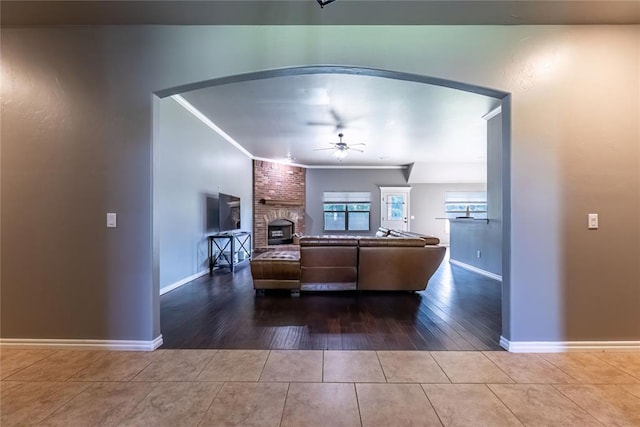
x=429, y=240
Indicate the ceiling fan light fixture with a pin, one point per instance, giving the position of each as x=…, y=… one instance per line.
x=340, y=154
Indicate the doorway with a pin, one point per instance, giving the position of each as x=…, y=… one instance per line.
x=395, y=208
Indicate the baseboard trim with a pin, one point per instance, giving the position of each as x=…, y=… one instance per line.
x=184, y=281
x=476, y=270
x=119, y=345
x=567, y=346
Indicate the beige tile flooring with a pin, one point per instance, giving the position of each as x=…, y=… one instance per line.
x=317, y=388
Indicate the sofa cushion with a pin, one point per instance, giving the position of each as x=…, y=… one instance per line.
x=328, y=256
x=328, y=264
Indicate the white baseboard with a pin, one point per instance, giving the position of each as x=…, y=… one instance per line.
x=121, y=345
x=567, y=346
x=476, y=270
x=184, y=281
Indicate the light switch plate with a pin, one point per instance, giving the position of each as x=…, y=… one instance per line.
x=593, y=221
x=111, y=220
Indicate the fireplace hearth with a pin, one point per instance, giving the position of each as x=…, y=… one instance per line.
x=280, y=232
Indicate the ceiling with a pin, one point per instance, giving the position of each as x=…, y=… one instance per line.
x=399, y=122
x=307, y=12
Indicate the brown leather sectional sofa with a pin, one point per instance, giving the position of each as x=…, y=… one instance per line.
x=394, y=263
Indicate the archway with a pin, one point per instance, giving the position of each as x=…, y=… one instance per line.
x=372, y=72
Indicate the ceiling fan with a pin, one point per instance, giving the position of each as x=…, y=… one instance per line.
x=338, y=122
x=341, y=148
x=323, y=3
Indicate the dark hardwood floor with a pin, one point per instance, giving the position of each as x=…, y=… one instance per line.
x=459, y=310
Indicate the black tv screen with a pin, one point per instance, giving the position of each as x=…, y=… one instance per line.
x=229, y=212
x=213, y=215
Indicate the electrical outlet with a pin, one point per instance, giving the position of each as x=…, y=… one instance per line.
x=478, y=254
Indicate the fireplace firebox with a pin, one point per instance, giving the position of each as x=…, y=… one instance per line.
x=280, y=232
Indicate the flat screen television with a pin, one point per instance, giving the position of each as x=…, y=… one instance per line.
x=229, y=212
x=213, y=214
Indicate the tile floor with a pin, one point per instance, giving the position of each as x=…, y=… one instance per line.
x=317, y=388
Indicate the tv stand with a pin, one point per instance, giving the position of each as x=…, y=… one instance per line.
x=229, y=249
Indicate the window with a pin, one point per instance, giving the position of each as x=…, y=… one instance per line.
x=466, y=203
x=395, y=207
x=346, y=211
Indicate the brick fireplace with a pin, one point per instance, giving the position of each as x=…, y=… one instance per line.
x=278, y=197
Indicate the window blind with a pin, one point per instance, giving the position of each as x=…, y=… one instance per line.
x=346, y=196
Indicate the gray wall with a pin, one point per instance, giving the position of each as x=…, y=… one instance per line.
x=427, y=200
x=191, y=161
x=427, y=204
x=470, y=237
x=321, y=180
x=77, y=143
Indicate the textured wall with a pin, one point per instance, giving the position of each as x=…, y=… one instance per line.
x=77, y=143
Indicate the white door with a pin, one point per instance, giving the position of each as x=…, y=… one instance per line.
x=394, y=207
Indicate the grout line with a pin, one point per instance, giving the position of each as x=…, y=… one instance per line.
x=204, y=414
x=205, y=364
x=63, y=403
x=263, y=366
x=140, y=371
x=431, y=403
x=614, y=366
x=586, y=411
x=284, y=405
x=7, y=378
x=560, y=369
x=355, y=389
x=140, y=402
x=498, y=367
x=386, y=380
x=504, y=403
x=439, y=366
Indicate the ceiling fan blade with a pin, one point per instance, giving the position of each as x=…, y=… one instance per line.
x=360, y=143
x=355, y=149
x=336, y=116
x=320, y=124
x=328, y=148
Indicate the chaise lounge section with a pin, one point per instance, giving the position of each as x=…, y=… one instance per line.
x=276, y=270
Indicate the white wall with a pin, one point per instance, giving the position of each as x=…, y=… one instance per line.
x=191, y=161
x=427, y=204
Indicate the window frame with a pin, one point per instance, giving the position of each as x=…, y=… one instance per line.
x=346, y=215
